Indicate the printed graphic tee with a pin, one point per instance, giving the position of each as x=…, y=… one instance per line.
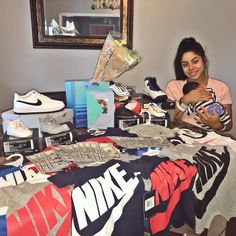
x=214, y=186
x=107, y=199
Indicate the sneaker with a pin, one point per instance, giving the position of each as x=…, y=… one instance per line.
x=121, y=98
x=12, y=160
x=34, y=102
x=134, y=106
x=17, y=129
x=49, y=124
x=69, y=29
x=153, y=90
x=119, y=89
x=156, y=110
x=124, y=113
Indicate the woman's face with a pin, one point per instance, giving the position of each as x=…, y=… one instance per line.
x=193, y=65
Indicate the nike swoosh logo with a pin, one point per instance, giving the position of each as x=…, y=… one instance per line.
x=38, y=103
x=211, y=165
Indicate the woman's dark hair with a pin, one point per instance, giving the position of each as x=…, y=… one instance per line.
x=187, y=45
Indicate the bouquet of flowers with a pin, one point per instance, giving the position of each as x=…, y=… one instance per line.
x=114, y=60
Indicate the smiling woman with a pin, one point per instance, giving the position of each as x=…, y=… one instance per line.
x=75, y=24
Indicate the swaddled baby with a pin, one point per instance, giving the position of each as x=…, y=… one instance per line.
x=211, y=104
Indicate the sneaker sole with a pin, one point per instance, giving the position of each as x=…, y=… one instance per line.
x=38, y=112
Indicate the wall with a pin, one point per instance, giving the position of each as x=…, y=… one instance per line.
x=159, y=25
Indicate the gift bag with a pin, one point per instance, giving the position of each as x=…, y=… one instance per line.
x=100, y=108
x=76, y=98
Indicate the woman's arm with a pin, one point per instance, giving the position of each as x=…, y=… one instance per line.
x=228, y=108
x=194, y=96
x=180, y=108
x=214, y=121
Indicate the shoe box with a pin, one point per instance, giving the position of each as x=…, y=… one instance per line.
x=125, y=118
x=25, y=146
x=127, y=122
x=63, y=138
x=164, y=121
x=123, y=123
x=32, y=120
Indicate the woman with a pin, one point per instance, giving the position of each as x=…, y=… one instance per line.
x=191, y=65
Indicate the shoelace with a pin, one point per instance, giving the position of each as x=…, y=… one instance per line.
x=50, y=122
x=156, y=108
x=43, y=97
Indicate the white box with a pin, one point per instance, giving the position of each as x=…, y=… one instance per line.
x=32, y=120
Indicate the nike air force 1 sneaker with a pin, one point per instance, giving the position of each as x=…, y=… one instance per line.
x=17, y=129
x=34, y=102
x=153, y=90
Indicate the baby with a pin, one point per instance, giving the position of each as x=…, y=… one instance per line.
x=211, y=105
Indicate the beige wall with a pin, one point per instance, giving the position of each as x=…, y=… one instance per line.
x=159, y=25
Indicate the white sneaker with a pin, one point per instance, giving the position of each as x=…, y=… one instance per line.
x=156, y=110
x=34, y=102
x=14, y=160
x=119, y=89
x=70, y=29
x=17, y=129
x=49, y=124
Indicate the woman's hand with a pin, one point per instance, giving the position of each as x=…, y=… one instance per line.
x=196, y=95
x=206, y=118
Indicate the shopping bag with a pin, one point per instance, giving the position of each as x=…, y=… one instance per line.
x=100, y=107
x=76, y=98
